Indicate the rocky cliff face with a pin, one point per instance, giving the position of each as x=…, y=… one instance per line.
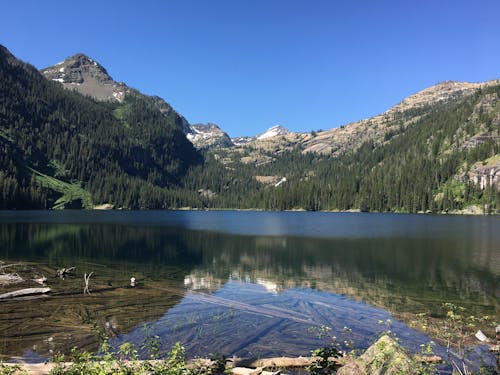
x=486, y=176
x=486, y=173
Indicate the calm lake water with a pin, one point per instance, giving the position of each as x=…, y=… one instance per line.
x=249, y=284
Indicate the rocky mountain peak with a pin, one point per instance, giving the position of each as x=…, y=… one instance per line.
x=274, y=131
x=85, y=75
x=208, y=136
x=77, y=69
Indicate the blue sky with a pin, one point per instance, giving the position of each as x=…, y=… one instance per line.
x=248, y=65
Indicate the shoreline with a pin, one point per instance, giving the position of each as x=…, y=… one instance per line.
x=464, y=212
x=386, y=353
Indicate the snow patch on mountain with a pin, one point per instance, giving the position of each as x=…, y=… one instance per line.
x=274, y=131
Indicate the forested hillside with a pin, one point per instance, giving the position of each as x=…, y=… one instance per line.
x=61, y=149
x=427, y=166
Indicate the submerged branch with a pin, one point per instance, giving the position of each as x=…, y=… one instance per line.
x=24, y=292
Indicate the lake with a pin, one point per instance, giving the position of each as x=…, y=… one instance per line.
x=250, y=284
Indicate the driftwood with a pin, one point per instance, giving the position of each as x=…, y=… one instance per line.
x=487, y=341
x=24, y=292
x=246, y=371
x=429, y=359
x=282, y=362
x=3, y=266
x=41, y=280
x=87, y=279
x=10, y=278
x=482, y=337
x=63, y=272
x=288, y=362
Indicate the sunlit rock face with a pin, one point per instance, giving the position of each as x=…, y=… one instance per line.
x=85, y=75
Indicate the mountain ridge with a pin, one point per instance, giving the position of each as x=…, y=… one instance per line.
x=348, y=137
x=84, y=74
x=435, y=151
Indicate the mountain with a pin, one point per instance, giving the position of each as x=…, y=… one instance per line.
x=436, y=151
x=275, y=131
x=350, y=137
x=86, y=76
x=208, y=136
x=83, y=74
x=60, y=149
x=74, y=137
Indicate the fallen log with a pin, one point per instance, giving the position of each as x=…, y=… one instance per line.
x=24, y=292
x=281, y=362
x=428, y=359
x=3, y=266
x=301, y=362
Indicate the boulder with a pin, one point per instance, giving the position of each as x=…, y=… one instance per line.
x=385, y=356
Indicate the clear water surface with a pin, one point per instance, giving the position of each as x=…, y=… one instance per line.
x=243, y=283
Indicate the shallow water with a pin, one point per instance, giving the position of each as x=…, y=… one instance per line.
x=244, y=283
